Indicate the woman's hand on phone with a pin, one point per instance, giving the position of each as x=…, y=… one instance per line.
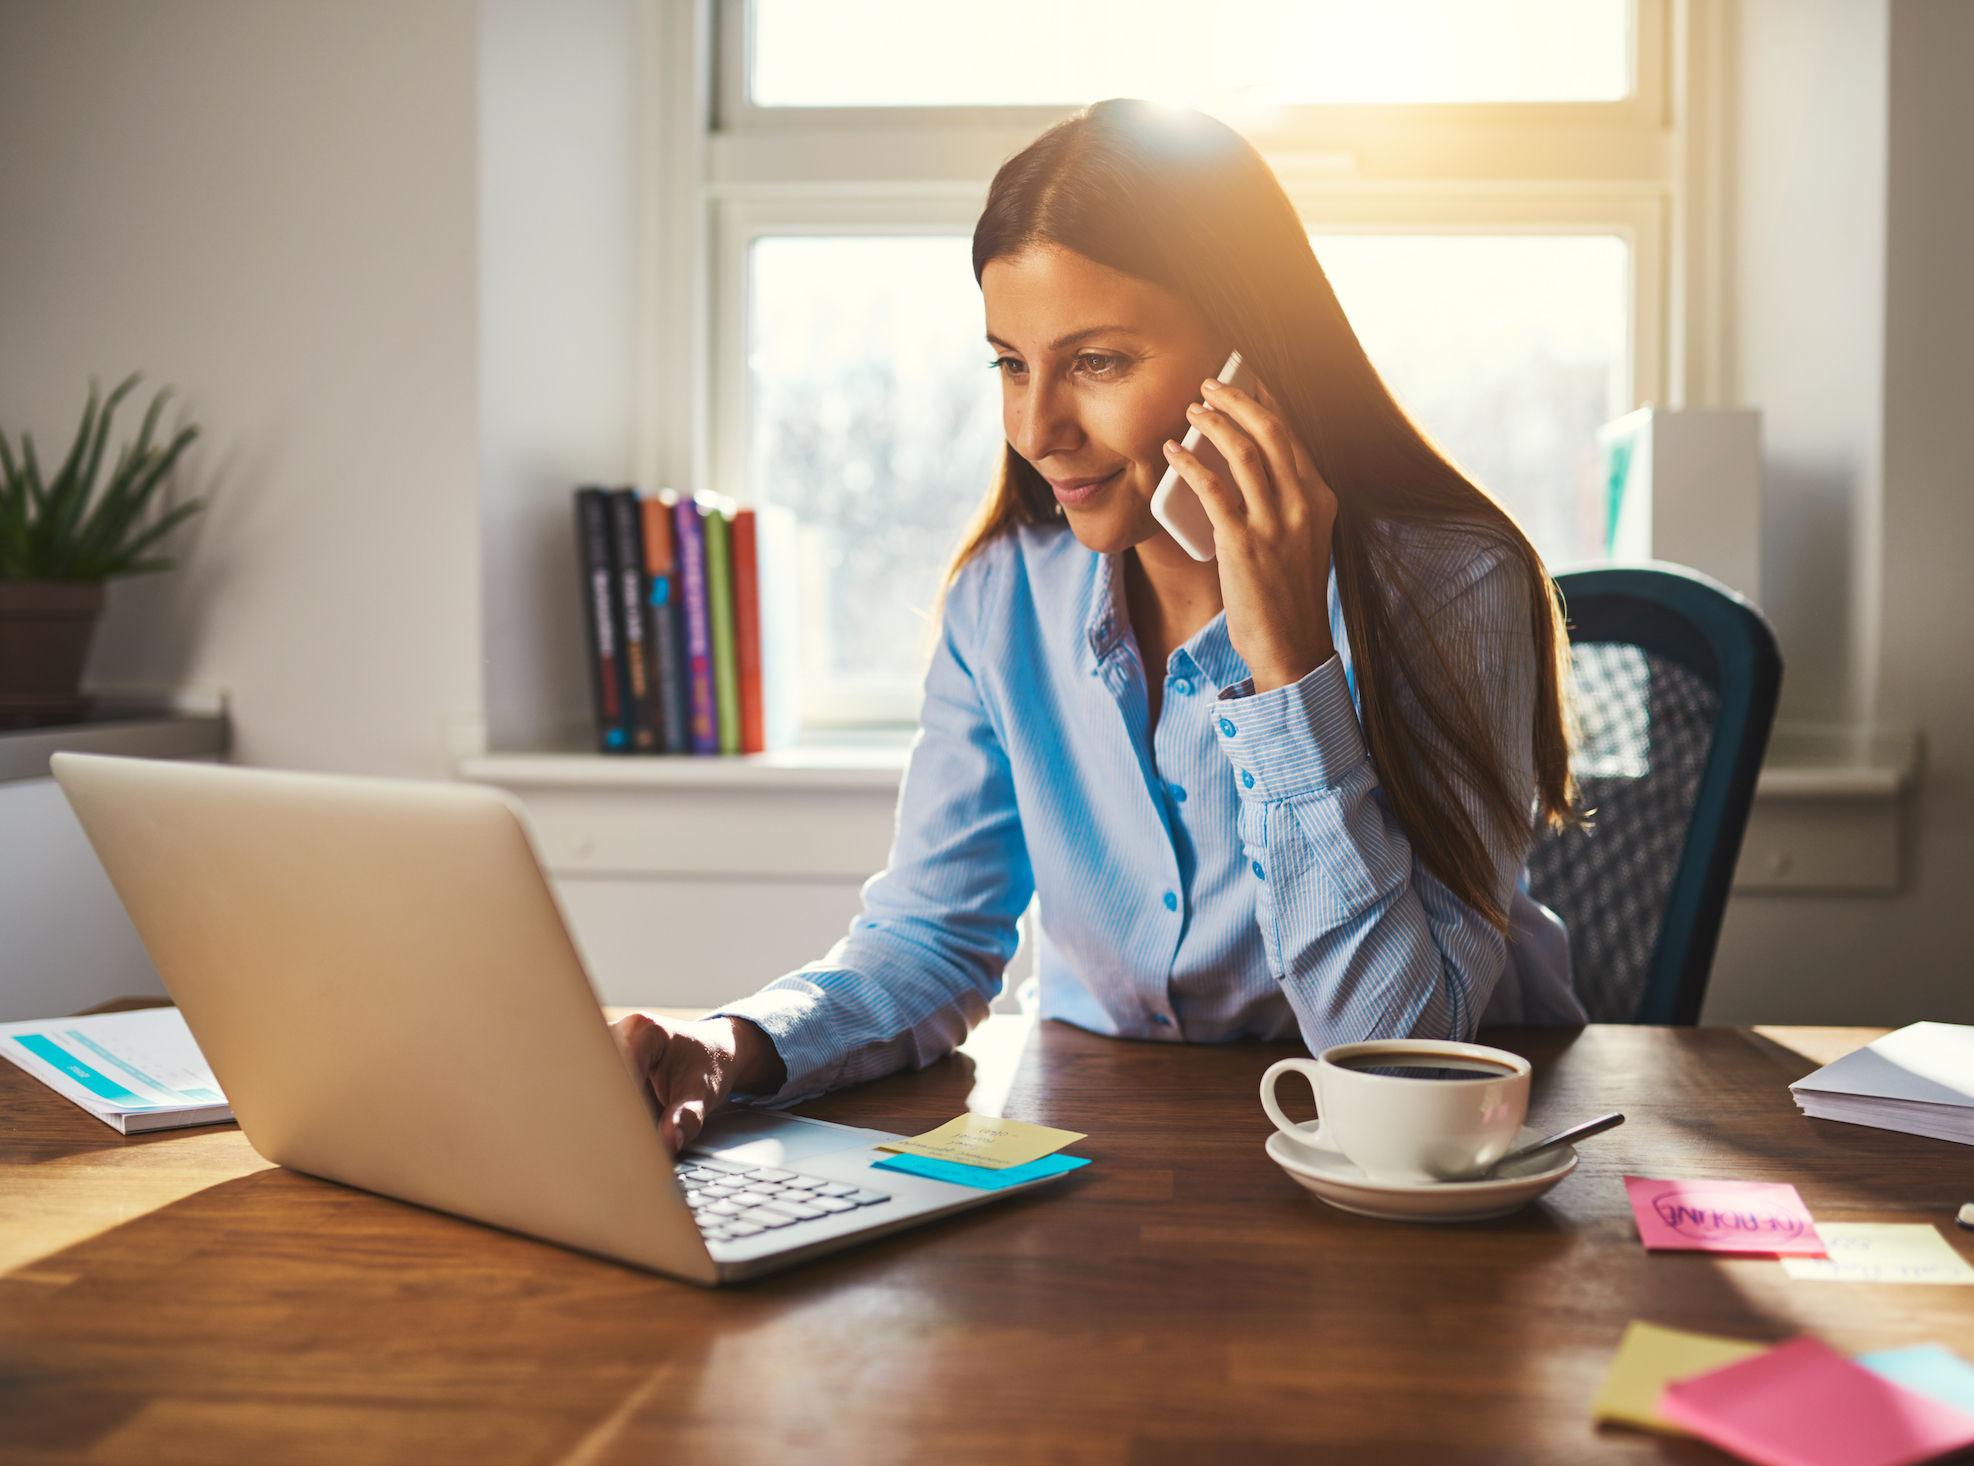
x=693, y=1067
x=1271, y=532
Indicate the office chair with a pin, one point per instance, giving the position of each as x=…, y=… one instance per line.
x=1675, y=680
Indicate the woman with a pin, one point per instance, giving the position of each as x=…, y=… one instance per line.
x=1255, y=799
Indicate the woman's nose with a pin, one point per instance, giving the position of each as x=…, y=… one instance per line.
x=1042, y=421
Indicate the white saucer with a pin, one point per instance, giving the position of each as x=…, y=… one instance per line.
x=1332, y=1177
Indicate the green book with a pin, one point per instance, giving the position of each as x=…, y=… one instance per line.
x=719, y=600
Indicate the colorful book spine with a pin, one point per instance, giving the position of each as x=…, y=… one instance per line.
x=663, y=632
x=747, y=631
x=627, y=571
x=600, y=619
x=719, y=600
x=698, y=629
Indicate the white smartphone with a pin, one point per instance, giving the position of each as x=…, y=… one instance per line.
x=1174, y=504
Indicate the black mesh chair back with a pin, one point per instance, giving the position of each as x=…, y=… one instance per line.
x=1675, y=679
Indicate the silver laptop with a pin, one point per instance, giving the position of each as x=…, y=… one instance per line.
x=379, y=975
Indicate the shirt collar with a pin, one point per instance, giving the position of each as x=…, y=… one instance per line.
x=1108, y=614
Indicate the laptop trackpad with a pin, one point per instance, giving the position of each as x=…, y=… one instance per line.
x=765, y=1138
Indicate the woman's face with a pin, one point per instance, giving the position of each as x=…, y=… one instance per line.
x=1097, y=370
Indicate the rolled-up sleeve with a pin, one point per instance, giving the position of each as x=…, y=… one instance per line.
x=939, y=925
x=1364, y=940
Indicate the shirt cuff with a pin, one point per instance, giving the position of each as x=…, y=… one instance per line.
x=788, y=1016
x=1292, y=740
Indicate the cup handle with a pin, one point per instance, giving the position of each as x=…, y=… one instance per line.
x=1275, y=1071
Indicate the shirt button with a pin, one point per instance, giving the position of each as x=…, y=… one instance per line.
x=1226, y=727
x=1247, y=779
x=1177, y=793
x=1171, y=900
x=1182, y=686
x=1161, y=1020
x=1255, y=866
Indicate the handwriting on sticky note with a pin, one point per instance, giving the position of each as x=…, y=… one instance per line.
x=1882, y=1252
x=982, y=1140
x=1722, y=1216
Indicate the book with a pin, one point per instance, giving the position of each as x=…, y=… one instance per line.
x=664, y=633
x=719, y=601
x=1919, y=1080
x=704, y=714
x=606, y=669
x=627, y=574
x=134, y=1071
x=747, y=631
x=777, y=546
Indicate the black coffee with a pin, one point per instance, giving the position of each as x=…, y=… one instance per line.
x=1439, y=1067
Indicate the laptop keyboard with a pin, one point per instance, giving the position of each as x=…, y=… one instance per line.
x=731, y=1201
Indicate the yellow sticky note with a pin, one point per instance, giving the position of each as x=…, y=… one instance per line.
x=1882, y=1252
x=981, y=1140
x=1648, y=1359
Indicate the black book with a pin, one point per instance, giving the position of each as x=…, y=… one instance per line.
x=602, y=621
x=627, y=567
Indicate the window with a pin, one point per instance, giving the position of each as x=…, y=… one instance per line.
x=1490, y=184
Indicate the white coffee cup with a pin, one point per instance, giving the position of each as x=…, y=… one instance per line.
x=1410, y=1129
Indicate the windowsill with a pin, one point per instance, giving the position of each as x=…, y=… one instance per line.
x=834, y=766
x=1805, y=761
x=132, y=733
x=1821, y=761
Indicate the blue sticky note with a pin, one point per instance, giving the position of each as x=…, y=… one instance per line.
x=1932, y=1370
x=981, y=1176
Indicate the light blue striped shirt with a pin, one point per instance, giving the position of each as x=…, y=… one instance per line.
x=1232, y=873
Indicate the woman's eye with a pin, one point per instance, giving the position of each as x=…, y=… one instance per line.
x=1100, y=364
x=1007, y=366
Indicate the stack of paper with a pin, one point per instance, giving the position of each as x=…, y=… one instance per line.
x=133, y=1071
x=1919, y=1080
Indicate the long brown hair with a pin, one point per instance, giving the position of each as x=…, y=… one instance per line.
x=1180, y=200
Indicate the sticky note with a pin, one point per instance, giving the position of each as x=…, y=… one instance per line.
x=1648, y=1359
x=1803, y=1404
x=981, y=1177
x=1722, y=1216
x=1882, y=1252
x=1932, y=1370
x=982, y=1140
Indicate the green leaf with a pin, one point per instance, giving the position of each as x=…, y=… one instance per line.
x=67, y=527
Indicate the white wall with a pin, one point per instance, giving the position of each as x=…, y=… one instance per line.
x=1857, y=227
x=559, y=318
x=272, y=206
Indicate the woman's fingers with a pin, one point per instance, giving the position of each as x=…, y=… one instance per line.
x=1222, y=502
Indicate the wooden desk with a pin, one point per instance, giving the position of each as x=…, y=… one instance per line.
x=173, y=1299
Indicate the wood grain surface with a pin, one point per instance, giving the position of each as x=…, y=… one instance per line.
x=173, y=1299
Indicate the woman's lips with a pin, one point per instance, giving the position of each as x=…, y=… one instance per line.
x=1077, y=490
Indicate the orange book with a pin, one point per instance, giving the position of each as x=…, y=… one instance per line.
x=747, y=631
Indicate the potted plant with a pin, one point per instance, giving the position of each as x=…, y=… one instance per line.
x=61, y=537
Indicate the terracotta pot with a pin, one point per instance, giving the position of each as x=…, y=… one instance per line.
x=45, y=630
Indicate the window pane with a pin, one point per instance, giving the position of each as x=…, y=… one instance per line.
x=1511, y=350
x=874, y=417
x=936, y=53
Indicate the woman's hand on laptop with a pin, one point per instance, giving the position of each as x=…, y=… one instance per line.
x=693, y=1067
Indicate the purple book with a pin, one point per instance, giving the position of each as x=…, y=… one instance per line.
x=698, y=630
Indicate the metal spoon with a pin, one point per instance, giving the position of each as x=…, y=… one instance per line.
x=1562, y=1137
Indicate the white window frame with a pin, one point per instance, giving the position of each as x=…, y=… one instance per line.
x=726, y=172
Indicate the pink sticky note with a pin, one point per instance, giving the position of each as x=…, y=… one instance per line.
x=1802, y=1404
x=1722, y=1216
